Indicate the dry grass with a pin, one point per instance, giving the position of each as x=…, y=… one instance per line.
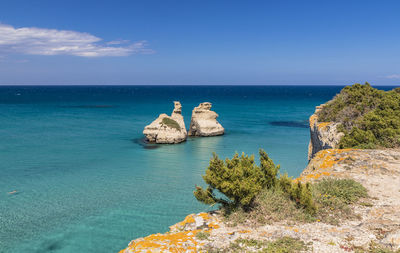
x=334, y=198
x=269, y=206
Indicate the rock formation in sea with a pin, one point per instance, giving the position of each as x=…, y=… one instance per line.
x=204, y=121
x=167, y=129
x=323, y=135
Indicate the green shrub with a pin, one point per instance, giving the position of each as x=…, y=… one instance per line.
x=368, y=117
x=240, y=180
x=171, y=123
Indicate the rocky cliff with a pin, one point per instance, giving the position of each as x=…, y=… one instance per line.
x=167, y=129
x=204, y=121
x=323, y=135
x=378, y=221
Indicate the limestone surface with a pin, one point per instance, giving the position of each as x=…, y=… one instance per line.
x=204, y=121
x=167, y=129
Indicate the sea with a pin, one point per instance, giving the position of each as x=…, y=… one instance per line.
x=85, y=181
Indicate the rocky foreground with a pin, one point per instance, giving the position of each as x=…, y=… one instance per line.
x=378, y=221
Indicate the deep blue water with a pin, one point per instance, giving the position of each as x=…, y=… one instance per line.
x=87, y=184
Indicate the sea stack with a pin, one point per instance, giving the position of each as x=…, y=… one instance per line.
x=167, y=129
x=204, y=121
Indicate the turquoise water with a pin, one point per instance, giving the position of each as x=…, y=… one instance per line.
x=85, y=181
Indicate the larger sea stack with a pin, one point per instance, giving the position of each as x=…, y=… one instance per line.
x=167, y=129
x=204, y=121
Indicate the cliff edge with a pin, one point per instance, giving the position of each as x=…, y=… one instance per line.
x=377, y=221
x=323, y=135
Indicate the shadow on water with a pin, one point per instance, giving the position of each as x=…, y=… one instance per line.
x=300, y=124
x=145, y=144
x=50, y=246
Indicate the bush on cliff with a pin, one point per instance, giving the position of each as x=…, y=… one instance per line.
x=368, y=117
x=239, y=180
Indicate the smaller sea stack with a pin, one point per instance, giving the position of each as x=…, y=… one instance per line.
x=204, y=121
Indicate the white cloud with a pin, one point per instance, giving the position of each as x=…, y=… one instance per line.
x=40, y=41
x=394, y=76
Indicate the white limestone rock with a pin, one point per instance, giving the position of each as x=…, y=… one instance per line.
x=204, y=121
x=167, y=129
x=323, y=135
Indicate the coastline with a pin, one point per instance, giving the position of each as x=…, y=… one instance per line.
x=378, y=222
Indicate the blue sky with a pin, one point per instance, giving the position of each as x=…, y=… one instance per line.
x=199, y=42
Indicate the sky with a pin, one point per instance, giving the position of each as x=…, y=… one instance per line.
x=199, y=42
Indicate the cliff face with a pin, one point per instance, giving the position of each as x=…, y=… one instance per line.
x=323, y=135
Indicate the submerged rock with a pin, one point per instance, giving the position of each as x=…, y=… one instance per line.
x=204, y=121
x=167, y=129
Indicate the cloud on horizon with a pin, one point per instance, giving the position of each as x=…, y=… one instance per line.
x=41, y=41
x=394, y=76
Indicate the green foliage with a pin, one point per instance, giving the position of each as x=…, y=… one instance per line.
x=346, y=190
x=240, y=180
x=334, y=197
x=202, y=235
x=171, y=123
x=369, y=117
x=302, y=195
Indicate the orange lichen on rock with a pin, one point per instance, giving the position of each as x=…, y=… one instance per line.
x=323, y=162
x=329, y=157
x=213, y=225
x=180, y=238
x=313, y=119
x=173, y=242
x=188, y=219
x=323, y=125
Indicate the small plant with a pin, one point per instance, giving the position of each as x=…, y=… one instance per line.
x=345, y=190
x=171, y=123
x=286, y=245
x=334, y=197
x=282, y=245
x=202, y=235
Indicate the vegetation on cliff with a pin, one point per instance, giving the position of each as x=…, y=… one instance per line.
x=239, y=180
x=171, y=123
x=368, y=117
x=258, y=195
